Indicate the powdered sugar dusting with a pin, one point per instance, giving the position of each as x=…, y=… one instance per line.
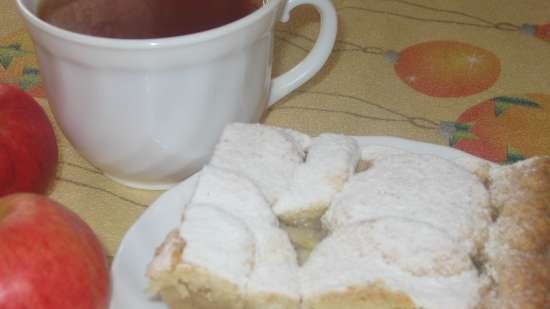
x=331, y=160
x=265, y=155
x=418, y=248
x=367, y=252
x=376, y=152
x=235, y=194
x=202, y=229
x=519, y=240
x=501, y=185
x=276, y=268
x=273, y=263
x=417, y=187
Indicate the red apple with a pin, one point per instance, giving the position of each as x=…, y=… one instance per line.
x=49, y=257
x=28, y=148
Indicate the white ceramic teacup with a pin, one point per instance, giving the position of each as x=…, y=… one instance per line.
x=148, y=112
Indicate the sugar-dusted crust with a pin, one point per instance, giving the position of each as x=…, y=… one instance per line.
x=518, y=257
x=186, y=286
x=525, y=180
x=523, y=226
x=271, y=301
x=519, y=282
x=189, y=287
x=228, y=252
x=372, y=296
x=193, y=287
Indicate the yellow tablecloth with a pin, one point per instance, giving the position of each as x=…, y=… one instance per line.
x=470, y=74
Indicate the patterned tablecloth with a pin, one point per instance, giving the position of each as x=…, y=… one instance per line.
x=471, y=74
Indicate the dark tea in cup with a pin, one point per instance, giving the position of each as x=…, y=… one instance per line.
x=143, y=19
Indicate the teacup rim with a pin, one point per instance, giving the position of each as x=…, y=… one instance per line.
x=116, y=43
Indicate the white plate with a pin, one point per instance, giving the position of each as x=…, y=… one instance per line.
x=139, y=243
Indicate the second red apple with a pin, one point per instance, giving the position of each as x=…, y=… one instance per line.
x=28, y=147
x=49, y=257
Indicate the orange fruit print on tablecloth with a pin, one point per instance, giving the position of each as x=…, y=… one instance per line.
x=447, y=68
x=505, y=129
x=543, y=32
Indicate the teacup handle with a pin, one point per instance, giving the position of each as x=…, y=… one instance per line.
x=312, y=63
